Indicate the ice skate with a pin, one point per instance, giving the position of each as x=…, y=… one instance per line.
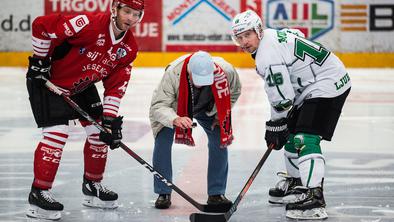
x=43, y=205
x=97, y=195
x=285, y=190
x=310, y=206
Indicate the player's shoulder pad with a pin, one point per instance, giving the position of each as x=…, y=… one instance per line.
x=79, y=22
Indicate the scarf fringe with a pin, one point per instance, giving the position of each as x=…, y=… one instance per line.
x=185, y=141
x=224, y=145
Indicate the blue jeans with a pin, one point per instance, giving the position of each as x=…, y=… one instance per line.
x=217, y=158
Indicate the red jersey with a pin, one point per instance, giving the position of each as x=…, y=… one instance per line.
x=84, y=51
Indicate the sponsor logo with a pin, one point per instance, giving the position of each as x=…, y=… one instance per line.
x=187, y=6
x=93, y=55
x=112, y=56
x=67, y=30
x=82, y=50
x=100, y=40
x=95, y=67
x=362, y=17
x=108, y=62
x=76, y=6
x=125, y=45
x=313, y=17
x=51, y=155
x=79, y=22
x=99, y=149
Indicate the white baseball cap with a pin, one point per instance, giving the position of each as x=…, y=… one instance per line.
x=201, y=67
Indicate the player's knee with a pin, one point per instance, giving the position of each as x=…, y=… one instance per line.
x=93, y=134
x=289, y=146
x=307, y=144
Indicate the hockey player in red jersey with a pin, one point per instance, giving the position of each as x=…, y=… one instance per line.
x=74, y=52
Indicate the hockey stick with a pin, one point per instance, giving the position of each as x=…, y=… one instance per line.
x=199, y=217
x=202, y=207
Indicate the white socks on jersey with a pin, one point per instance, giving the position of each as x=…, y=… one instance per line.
x=311, y=168
x=291, y=161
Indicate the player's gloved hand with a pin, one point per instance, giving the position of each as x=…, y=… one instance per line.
x=114, y=126
x=276, y=133
x=38, y=70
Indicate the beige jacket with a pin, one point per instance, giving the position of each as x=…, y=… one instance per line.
x=164, y=102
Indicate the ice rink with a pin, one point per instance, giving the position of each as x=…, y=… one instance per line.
x=359, y=181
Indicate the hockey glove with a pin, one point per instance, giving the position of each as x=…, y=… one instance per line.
x=114, y=135
x=276, y=133
x=38, y=70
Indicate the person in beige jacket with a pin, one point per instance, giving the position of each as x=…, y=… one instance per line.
x=204, y=88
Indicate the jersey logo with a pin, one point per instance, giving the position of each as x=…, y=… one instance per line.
x=100, y=40
x=79, y=22
x=120, y=53
x=67, y=30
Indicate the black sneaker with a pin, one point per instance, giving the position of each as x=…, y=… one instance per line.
x=43, y=205
x=163, y=201
x=97, y=195
x=285, y=190
x=218, y=199
x=310, y=205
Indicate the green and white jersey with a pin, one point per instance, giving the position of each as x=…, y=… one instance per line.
x=296, y=69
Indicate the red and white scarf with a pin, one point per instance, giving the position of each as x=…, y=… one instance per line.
x=221, y=93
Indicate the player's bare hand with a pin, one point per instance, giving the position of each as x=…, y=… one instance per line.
x=183, y=122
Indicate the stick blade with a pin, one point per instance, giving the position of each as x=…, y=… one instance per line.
x=197, y=217
x=217, y=208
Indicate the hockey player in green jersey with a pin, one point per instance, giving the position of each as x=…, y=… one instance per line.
x=307, y=86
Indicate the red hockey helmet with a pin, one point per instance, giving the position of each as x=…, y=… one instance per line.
x=134, y=4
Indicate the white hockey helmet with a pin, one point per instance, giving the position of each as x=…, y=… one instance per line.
x=247, y=20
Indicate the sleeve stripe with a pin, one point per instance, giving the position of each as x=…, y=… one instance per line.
x=43, y=41
x=41, y=54
x=111, y=99
x=110, y=106
x=40, y=50
x=112, y=113
x=106, y=108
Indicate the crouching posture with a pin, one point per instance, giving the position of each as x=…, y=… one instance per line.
x=75, y=52
x=201, y=87
x=307, y=86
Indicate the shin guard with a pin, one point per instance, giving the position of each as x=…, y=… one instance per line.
x=311, y=160
x=48, y=154
x=291, y=158
x=95, y=154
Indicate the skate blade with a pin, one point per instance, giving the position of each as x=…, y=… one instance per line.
x=90, y=201
x=36, y=212
x=284, y=200
x=313, y=214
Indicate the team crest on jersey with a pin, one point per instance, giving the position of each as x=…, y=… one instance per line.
x=120, y=53
x=82, y=84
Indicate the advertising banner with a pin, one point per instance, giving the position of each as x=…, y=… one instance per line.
x=190, y=25
x=343, y=26
x=16, y=17
x=147, y=33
